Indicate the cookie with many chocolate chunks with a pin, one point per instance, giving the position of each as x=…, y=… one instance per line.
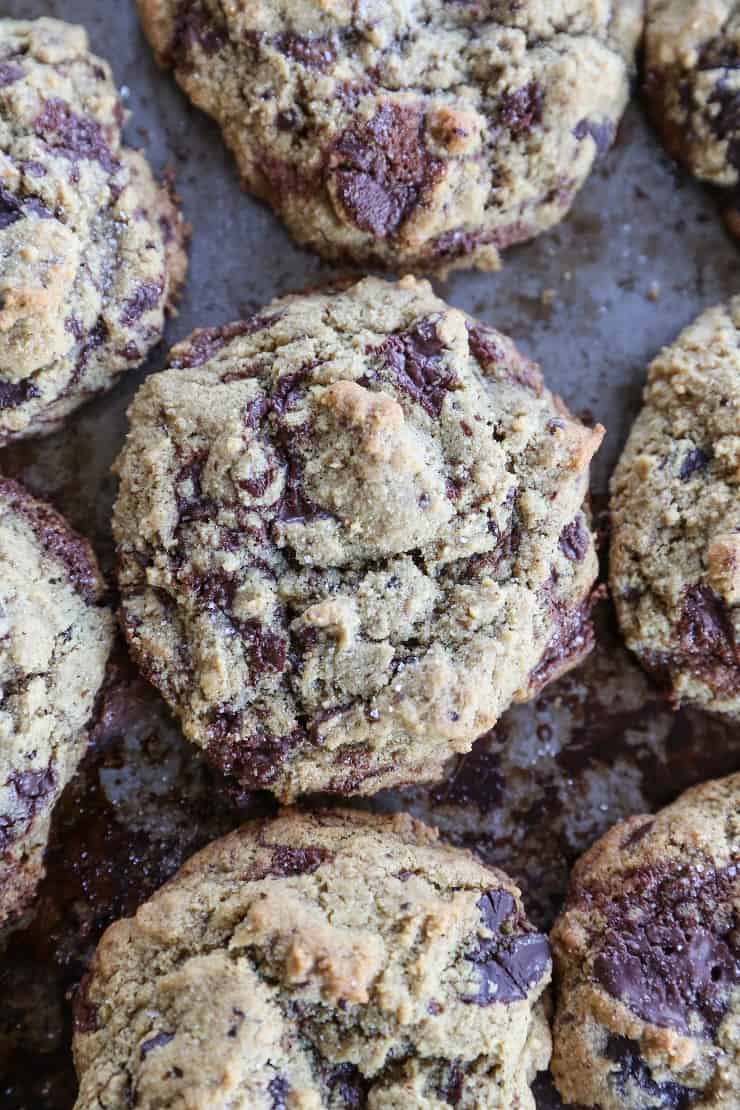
x=408, y=136
x=319, y=960
x=648, y=959
x=675, y=550
x=55, y=637
x=351, y=531
x=692, y=87
x=91, y=247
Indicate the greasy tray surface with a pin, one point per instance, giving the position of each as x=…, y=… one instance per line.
x=642, y=252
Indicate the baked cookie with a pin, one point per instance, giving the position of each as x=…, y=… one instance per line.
x=351, y=531
x=675, y=549
x=409, y=136
x=692, y=57
x=319, y=960
x=54, y=641
x=91, y=247
x=648, y=959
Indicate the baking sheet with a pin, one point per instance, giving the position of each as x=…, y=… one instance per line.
x=641, y=253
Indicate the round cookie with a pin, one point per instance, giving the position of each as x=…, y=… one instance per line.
x=675, y=509
x=408, y=135
x=91, y=247
x=55, y=636
x=692, y=49
x=648, y=959
x=351, y=531
x=319, y=960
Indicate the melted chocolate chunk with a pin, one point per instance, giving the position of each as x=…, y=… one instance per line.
x=476, y=780
x=346, y=1083
x=278, y=1090
x=695, y=460
x=454, y=1084
x=206, y=342
x=382, y=169
x=297, y=861
x=572, y=639
x=486, y=348
x=75, y=137
x=574, y=540
x=11, y=208
x=85, y=1011
x=316, y=53
x=254, y=761
x=414, y=358
x=9, y=73
x=31, y=788
x=670, y=947
x=95, y=339
x=57, y=540
x=509, y=964
x=146, y=297
x=159, y=1040
x=194, y=25
x=633, y=1069
x=707, y=639
x=601, y=131
x=13, y=394
x=520, y=110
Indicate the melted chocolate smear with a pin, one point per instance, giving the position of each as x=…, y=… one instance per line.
x=509, y=965
x=521, y=110
x=253, y=761
x=77, y=138
x=634, y=1070
x=146, y=297
x=672, y=947
x=382, y=169
x=159, y=1040
x=414, y=359
x=194, y=26
x=476, y=780
x=707, y=638
x=206, y=342
x=572, y=639
x=454, y=1084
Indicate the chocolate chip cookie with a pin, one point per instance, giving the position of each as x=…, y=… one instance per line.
x=319, y=960
x=692, y=59
x=351, y=531
x=675, y=551
x=648, y=956
x=54, y=641
x=91, y=247
x=408, y=136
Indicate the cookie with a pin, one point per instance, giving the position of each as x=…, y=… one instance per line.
x=409, y=136
x=648, y=959
x=351, y=531
x=319, y=960
x=675, y=549
x=55, y=636
x=554, y=775
x=692, y=48
x=91, y=247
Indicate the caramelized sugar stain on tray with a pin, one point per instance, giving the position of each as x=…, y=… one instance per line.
x=641, y=254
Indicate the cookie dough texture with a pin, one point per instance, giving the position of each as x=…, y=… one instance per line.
x=328, y=960
x=350, y=533
x=54, y=641
x=692, y=50
x=91, y=247
x=648, y=959
x=675, y=552
x=414, y=135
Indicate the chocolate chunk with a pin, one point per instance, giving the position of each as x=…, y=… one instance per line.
x=633, y=1069
x=414, y=358
x=9, y=73
x=146, y=297
x=509, y=964
x=297, y=861
x=574, y=540
x=157, y=1041
x=520, y=110
x=316, y=53
x=11, y=208
x=670, y=948
x=30, y=787
x=453, y=1086
x=13, y=394
x=382, y=169
x=638, y=834
x=601, y=131
x=206, y=342
x=194, y=24
x=279, y=1089
x=695, y=460
x=707, y=638
x=346, y=1083
x=75, y=137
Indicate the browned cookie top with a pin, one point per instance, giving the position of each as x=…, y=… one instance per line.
x=418, y=134
x=648, y=952
x=54, y=643
x=327, y=960
x=351, y=532
x=91, y=248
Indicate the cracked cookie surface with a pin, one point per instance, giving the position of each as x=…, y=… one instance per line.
x=91, y=247
x=351, y=531
x=692, y=62
x=418, y=135
x=319, y=960
x=648, y=958
x=675, y=549
x=54, y=641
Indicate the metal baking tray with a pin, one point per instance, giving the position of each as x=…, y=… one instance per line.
x=641, y=253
